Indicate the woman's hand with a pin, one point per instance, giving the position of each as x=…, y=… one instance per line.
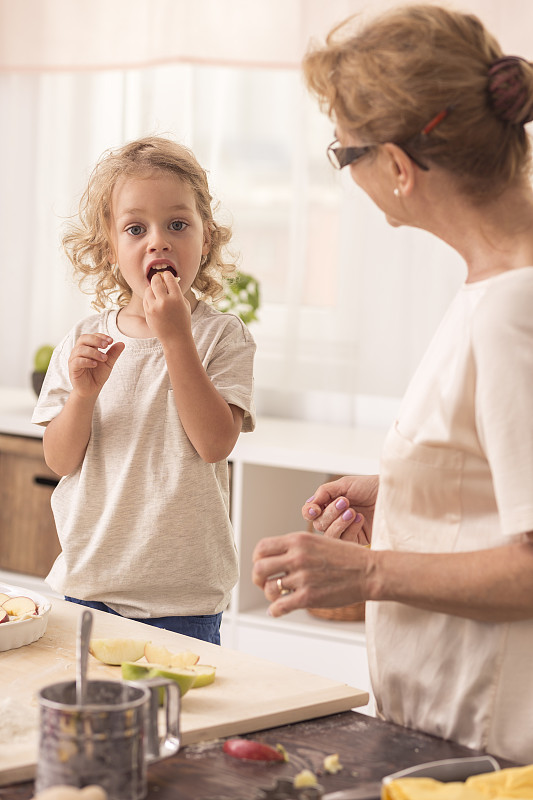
x=302, y=570
x=344, y=509
x=89, y=367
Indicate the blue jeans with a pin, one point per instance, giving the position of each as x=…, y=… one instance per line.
x=204, y=626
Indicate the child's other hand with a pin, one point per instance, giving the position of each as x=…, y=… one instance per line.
x=89, y=367
x=167, y=310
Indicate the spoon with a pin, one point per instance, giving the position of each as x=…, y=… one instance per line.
x=82, y=653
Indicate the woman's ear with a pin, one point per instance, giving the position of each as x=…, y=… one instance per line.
x=403, y=169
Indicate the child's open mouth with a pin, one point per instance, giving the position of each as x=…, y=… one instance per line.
x=161, y=268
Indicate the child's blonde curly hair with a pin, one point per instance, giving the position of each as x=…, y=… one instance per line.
x=88, y=242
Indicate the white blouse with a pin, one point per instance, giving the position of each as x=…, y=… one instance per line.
x=456, y=476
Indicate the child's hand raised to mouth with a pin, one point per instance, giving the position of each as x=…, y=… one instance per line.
x=167, y=310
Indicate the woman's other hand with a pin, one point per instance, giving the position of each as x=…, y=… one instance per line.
x=344, y=508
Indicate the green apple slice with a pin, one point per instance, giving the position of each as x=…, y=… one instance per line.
x=184, y=677
x=133, y=671
x=205, y=674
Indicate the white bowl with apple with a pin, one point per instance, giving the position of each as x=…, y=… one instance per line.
x=23, y=616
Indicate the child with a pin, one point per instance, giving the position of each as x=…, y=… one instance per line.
x=144, y=401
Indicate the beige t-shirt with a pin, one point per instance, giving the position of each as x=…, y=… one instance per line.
x=144, y=522
x=457, y=475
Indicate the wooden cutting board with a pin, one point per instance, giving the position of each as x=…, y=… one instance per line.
x=249, y=694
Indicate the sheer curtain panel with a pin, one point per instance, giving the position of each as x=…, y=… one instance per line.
x=349, y=304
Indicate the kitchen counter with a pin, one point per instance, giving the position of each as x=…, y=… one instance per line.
x=368, y=749
x=16, y=409
x=248, y=694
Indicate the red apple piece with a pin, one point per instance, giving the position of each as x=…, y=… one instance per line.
x=3, y=597
x=4, y=616
x=252, y=750
x=19, y=605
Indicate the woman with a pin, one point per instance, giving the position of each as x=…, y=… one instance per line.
x=429, y=119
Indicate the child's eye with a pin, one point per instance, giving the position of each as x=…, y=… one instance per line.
x=178, y=225
x=135, y=230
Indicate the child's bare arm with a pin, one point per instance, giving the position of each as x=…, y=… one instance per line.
x=67, y=435
x=211, y=424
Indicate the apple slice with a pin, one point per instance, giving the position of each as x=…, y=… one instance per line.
x=184, y=677
x=157, y=654
x=4, y=616
x=3, y=597
x=205, y=674
x=185, y=658
x=251, y=750
x=133, y=671
x=19, y=605
x=115, y=651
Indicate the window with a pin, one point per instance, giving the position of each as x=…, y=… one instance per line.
x=337, y=284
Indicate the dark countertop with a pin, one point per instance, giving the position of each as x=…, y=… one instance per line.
x=368, y=749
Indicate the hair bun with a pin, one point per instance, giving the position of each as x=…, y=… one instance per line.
x=510, y=90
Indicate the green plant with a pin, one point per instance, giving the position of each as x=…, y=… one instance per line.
x=42, y=358
x=243, y=297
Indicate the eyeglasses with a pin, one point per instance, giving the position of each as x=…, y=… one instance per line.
x=341, y=157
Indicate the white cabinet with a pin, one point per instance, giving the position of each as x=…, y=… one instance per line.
x=274, y=470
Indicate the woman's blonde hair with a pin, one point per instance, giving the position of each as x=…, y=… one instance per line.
x=387, y=81
x=88, y=242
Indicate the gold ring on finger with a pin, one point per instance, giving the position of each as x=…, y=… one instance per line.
x=281, y=588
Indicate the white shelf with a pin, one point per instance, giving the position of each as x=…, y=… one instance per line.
x=274, y=470
x=302, y=622
x=309, y=446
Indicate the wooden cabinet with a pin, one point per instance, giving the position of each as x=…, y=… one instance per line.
x=28, y=538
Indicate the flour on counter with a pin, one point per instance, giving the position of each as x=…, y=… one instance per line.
x=17, y=720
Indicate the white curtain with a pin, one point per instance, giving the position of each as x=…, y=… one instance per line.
x=348, y=303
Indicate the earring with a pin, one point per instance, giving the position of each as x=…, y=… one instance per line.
x=396, y=192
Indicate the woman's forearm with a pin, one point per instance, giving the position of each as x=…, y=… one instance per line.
x=494, y=585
